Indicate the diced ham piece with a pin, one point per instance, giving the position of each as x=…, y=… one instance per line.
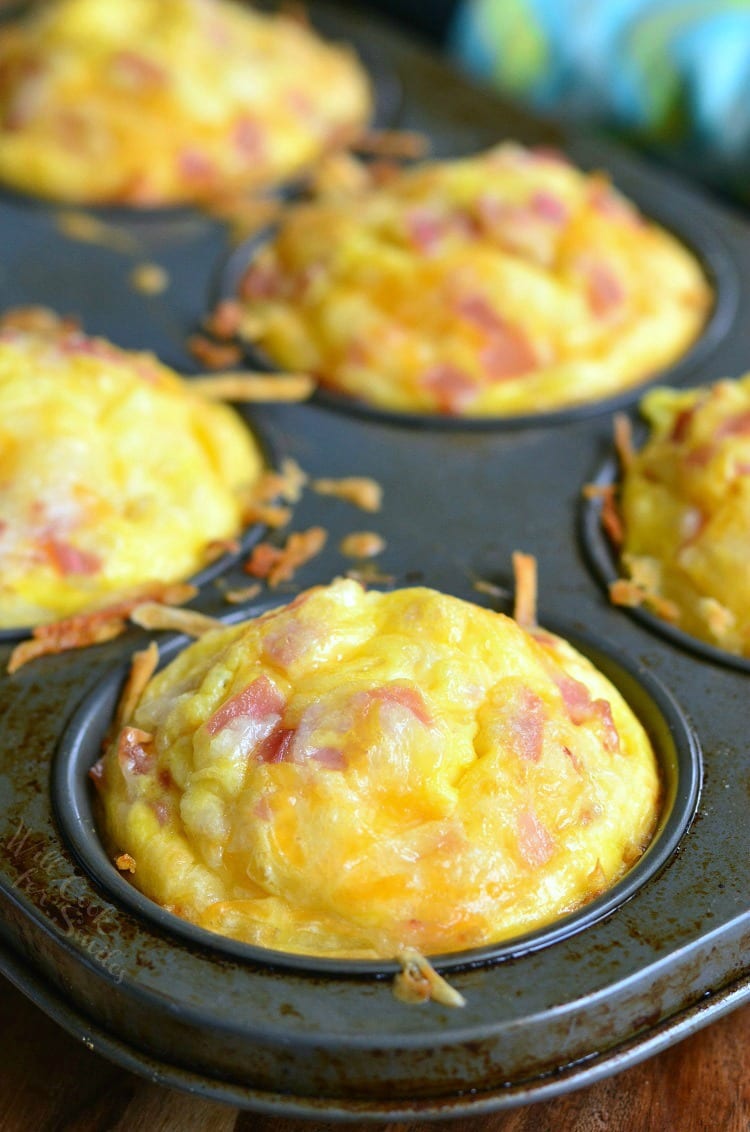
x=534, y=841
x=249, y=138
x=136, y=70
x=330, y=757
x=134, y=753
x=276, y=747
x=424, y=229
x=452, y=388
x=527, y=726
x=605, y=291
x=548, y=206
x=681, y=424
x=68, y=559
x=508, y=352
x=573, y=759
x=258, y=700
x=260, y=281
x=582, y=709
x=300, y=102
x=409, y=698
x=702, y=455
x=738, y=425
x=288, y=642
x=195, y=165
x=161, y=809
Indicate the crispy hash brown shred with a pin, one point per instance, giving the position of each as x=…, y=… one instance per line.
x=94, y=628
x=142, y=668
x=252, y=387
x=270, y=486
x=623, y=437
x=242, y=594
x=213, y=355
x=278, y=564
x=154, y=615
x=418, y=982
x=363, y=491
x=524, y=571
x=362, y=544
x=408, y=144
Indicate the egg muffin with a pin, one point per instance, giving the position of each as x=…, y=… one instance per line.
x=358, y=773
x=149, y=102
x=500, y=284
x=113, y=472
x=685, y=513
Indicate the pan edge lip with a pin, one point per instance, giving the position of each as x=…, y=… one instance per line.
x=546, y=1085
x=601, y=559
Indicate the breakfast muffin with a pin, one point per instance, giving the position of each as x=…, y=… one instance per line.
x=112, y=471
x=358, y=773
x=500, y=284
x=684, y=513
x=147, y=102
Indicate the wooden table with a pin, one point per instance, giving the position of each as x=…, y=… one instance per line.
x=49, y=1082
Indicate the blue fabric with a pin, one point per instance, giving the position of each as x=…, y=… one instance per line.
x=673, y=74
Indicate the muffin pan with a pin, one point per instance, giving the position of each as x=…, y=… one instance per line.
x=664, y=952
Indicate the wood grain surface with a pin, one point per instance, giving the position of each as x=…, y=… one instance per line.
x=49, y=1082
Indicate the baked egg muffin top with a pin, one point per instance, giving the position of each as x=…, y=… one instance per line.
x=113, y=473
x=685, y=512
x=499, y=284
x=358, y=773
x=147, y=102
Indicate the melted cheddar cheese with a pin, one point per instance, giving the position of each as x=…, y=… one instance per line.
x=500, y=284
x=685, y=503
x=155, y=101
x=357, y=773
x=112, y=473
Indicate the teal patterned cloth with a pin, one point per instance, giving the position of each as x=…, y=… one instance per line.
x=671, y=74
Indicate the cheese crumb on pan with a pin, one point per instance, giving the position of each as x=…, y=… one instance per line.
x=499, y=284
x=684, y=509
x=152, y=102
x=378, y=774
x=114, y=474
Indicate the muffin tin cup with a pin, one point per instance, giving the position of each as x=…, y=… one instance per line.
x=603, y=560
x=213, y=570
x=387, y=95
x=696, y=232
x=677, y=753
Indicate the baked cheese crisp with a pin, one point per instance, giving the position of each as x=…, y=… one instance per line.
x=361, y=773
x=685, y=507
x=148, y=102
x=501, y=284
x=113, y=472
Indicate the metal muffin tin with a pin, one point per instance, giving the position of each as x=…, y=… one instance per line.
x=664, y=953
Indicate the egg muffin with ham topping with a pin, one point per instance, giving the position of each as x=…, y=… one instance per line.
x=113, y=473
x=148, y=102
x=358, y=773
x=501, y=284
x=684, y=513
